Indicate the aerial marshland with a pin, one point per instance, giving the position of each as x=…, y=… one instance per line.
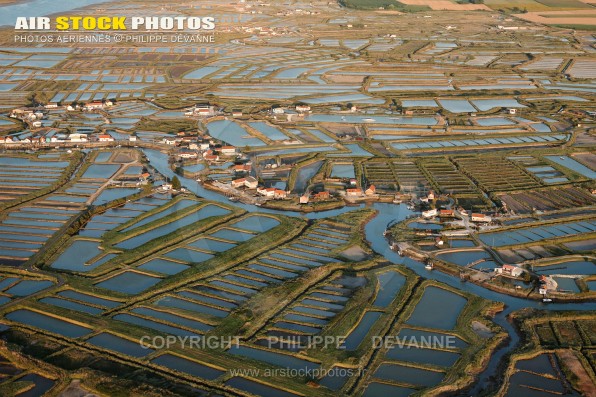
x=404, y=177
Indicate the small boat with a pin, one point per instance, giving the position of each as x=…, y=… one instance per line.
x=429, y=266
x=368, y=120
x=233, y=199
x=547, y=300
x=562, y=158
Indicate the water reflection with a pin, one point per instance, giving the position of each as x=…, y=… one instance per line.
x=387, y=214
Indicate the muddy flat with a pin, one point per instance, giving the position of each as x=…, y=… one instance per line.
x=354, y=253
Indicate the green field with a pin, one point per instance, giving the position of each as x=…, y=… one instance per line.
x=387, y=4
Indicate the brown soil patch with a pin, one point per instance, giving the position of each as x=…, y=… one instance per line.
x=354, y=253
x=575, y=17
x=446, y=5
x=589, y=159
x=76, y=390
x=585, y=384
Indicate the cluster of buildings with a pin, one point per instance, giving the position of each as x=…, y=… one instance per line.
x=546, y=283
x=248, y=182
x=351, y=193
x=510, y=271
x=251, y=183
x=193, y=146
x=356, y=192
x=348, y=187
x=210, y=152
x=287, y=113
x=451, y=213
x=25, y=113
x=96, y=105
x=475, y=217
x=33, y=116
x=133, y=179
x=201, y=109
x=271, y=192
x=204, y=150
x=225, y=151
x=315, y=197
x=290, y=114
x=303, y=109
x=49, y=136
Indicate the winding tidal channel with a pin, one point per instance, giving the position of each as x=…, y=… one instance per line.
x=374, y=234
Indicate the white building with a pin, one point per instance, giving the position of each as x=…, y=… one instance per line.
x=249, y=182
x=78, y=137
x=204, y=109
x=510, y=270
x=303, y=108
x=188, y=154
x=429, y=213
x=94, y=105
x=228, y=150
x=481, y=218
x=267, y=192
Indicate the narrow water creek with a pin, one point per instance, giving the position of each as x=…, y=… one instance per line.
x=391, y=213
